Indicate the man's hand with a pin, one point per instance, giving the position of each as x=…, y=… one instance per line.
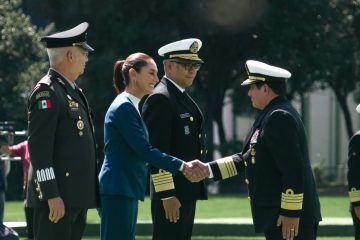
x=172, y=209
x=57, y=209
x=5, y=149
x=290, y=226
x=195, y=171
x=357, y=211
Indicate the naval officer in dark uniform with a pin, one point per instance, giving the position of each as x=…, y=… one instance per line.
x=353, y=178
x=176, y=127
x=275, y=158
x=63, y=182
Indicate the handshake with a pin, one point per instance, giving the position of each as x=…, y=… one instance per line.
x=195, y=170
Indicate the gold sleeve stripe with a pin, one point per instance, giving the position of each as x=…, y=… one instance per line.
x=163, y=181
x=354, y=195
x=227, y=167
x=291, y=201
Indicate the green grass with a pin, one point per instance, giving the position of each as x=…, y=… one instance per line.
x=224, y=206
x=223, y=238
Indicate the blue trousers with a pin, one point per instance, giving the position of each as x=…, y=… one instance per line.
x=118, y=217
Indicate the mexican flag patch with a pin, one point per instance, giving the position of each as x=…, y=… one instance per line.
x=44, y=104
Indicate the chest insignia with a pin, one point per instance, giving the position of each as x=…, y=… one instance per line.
x=186, y=130
x=73, y=104
x=184, y=115
x=255, y=136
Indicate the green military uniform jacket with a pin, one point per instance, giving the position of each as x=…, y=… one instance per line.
x=62, y=145
x=353, y=174
x=277, y=168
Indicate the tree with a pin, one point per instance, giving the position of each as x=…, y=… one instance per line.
x=22, y=61
x=318, y=44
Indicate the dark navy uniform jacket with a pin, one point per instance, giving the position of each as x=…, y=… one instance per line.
x=277, y=167
x=176, y=127
x=353, y=175
x=62, y=145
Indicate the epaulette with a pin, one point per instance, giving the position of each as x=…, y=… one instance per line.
x=46, y=80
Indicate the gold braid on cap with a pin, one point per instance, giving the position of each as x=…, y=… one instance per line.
x=185, y=56
x=256, y=78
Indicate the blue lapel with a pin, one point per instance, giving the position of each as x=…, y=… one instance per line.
x=140, y=118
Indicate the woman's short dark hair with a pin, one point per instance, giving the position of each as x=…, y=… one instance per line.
x=121, y=69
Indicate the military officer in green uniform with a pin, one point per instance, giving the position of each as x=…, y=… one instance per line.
x=63, y=182
x=275, y=158
x=353, y=178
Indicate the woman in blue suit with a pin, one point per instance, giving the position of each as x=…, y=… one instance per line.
x=123, y=175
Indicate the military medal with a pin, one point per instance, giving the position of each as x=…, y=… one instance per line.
x=80, y=126
x=73, y=104
x=252, y=153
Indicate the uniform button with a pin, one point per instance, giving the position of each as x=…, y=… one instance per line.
x=201, y=152
x=245, y=163
x=247, y=181
x=191, y=119
x=206, y=151
x=80, y=133
x=67, y=174
x=200, y=135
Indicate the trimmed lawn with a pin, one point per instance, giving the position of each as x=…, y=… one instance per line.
x=223, y=206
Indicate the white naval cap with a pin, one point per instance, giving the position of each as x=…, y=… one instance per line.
x=184, y=50
x=262, y=72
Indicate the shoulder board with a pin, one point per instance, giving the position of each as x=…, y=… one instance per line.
x=46, y=80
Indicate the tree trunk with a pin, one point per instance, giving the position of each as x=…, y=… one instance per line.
x=345, y=109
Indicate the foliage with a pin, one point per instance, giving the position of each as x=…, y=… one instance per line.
x=21, y=58
x=316, y=40
x=22, y=61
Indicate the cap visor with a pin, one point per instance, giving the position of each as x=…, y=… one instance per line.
x=86, y=47
x=247, y=82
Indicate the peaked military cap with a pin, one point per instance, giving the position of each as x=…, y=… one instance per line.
x=184, y=50
x=262, y=72
x=75, y=37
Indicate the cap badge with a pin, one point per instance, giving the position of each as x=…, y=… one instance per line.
x=194, y=47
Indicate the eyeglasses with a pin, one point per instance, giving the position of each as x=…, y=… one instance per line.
x=189, y=66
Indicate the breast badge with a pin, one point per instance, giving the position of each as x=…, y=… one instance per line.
x=80, y=126
x=186, y=130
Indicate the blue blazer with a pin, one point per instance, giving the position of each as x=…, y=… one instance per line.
x=127, y=152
